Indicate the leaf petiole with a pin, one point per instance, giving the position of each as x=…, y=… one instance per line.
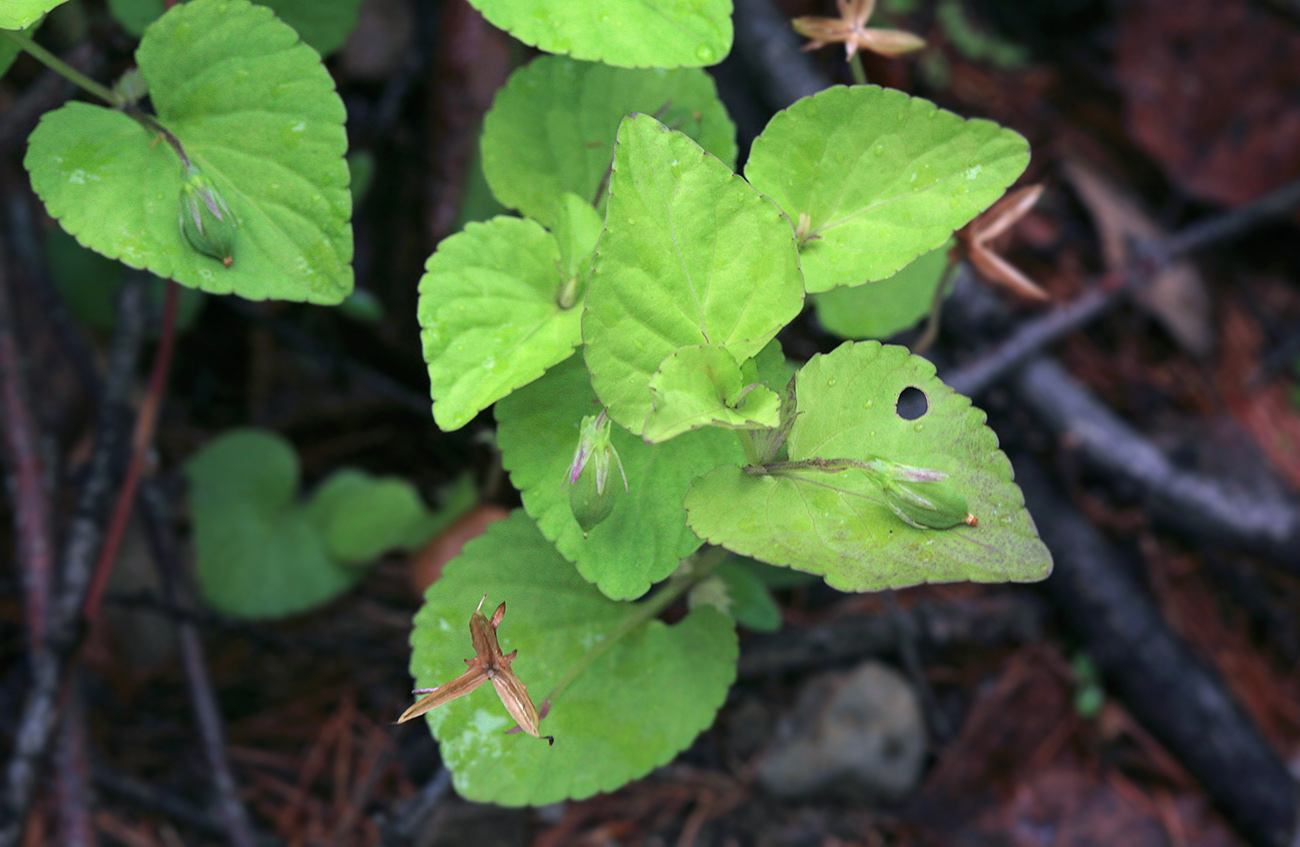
x=63, y=69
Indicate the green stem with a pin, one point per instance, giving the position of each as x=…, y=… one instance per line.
x=62, y=68
x=858, y=69
x=936, y=308
x=692, y=573
x=747, y=444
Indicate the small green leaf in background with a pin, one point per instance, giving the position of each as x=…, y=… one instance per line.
x=631, y=710
x=489, y=317
x=260, y=553
x=703, y=386
x=839, y=524
x=324, y=24
x=750, y=601
x=880, y=309
x=551, y=128
x=878, y=177
x=90, y=283
x=257, y=112
x=20, y=14
x=9, y=50
x=691, y=255
x=645, y=537
x=627, y=33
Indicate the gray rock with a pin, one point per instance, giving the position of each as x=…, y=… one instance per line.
x=857, y=737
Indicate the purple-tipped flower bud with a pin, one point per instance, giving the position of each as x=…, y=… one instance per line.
x=205, y=221
x=591, y=496
x=921, y=497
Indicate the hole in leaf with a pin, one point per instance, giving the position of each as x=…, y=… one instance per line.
x=912, y=404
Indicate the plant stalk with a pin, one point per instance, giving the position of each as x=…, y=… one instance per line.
x=63, y=69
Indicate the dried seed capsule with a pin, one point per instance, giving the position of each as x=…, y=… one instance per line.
x=205, y=221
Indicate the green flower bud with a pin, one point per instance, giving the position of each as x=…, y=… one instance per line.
x=205, y=221
x=920, y=497
x=929, y=504
x=591, y=497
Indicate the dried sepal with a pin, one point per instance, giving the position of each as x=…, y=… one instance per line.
x=851, y=29
x=488, y=663
x=973, y=243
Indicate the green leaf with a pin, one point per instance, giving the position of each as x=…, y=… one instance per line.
x=258, y=553
x=878, y=177
x=690, y=255
x=324, y=24
x=489, y=317
x=257, y=113
x=644, y=539
x=631, y=710
x=20, y=14
x=362, y=516
x=703, y=386
x=751, y=602
x=627, y=33
x=577, y=230
x=551, y=128
x=880, y=309
x=838, y=524
x=262, y=554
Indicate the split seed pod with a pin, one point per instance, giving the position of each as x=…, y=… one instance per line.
x=488, y=663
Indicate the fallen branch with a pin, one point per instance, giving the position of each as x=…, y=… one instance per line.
x=1157, y=677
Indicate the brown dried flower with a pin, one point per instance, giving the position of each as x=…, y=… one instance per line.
x=488, y=663
x=851, y=29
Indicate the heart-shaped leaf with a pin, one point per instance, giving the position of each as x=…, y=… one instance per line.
x=256, y=112
x=645, y=537
x=551, y=128
x=490, y=315
x=880, y=309
x=632, y=709
x=627, y=33
x=703, y=386
x=839, y=524
x=262, y=554
x=874, y=178
x=691, y=255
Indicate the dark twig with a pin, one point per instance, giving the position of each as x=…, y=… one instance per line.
x=40, y=708
x=1201, y=507
x=412, y=818
x=31, y=506
x=141, y=439
x=1159, y=679
x=207, y=714
x=76, y=825
x=772, y=54
x=151, y=798
x=1032, y=337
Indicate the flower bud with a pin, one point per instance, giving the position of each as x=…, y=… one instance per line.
x=205, y=221
x=933, y=504
x=591, y=496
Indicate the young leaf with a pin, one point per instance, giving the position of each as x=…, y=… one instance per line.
x=703, y=386
x=749, y=599
x=645, y=536
x=20, y=14
x=490, y=315
x=324, y=24
x=630, y=710
x=875, y=178
x=627, y=33
x=551, y=128
x=840, y=524
x=880, y=309
x=262, y=554
x=256, y=112
x=690, y=255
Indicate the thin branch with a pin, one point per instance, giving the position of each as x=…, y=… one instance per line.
x=207, y=714
x=31, y=507
x=40, y=707
x=76, y=824
x=1032, y=337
